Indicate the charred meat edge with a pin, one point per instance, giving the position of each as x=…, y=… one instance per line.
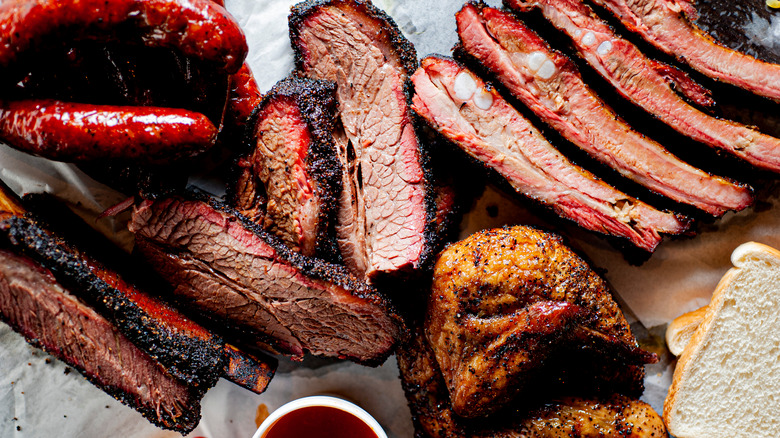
x=193, y=354
x=665, y=24
x=642, y=159
x=591, y=203
x=403, y=49
x=180, y=415
x=645, y=82
x=307, y=266
x=316, y=103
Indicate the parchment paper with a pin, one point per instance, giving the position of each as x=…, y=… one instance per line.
x=39, y=398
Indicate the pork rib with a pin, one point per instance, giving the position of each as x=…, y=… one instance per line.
x=549, y=84
x=360, y=48
x=227, y=267
x=643, y=81
x=665, y=24
x=293, y=161
x=35, y=305
x=484, y=125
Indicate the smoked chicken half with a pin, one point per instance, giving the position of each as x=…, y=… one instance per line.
x=507, y=303
x=560, y=417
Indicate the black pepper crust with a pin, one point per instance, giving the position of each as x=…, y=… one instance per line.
x=391, y=35
x=184, y=423
x=317, y=102
x=392, y=38
x=195, y=360
x=311, y=267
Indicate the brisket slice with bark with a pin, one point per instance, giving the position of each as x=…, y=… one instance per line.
x=293, y=162
x=476, y=118
x=386, y=206
x=648, y=83
x=187, y=350
x=666, y=24
x=252, y=371
x=226, y=267
x=35, y=305
x=550, y=85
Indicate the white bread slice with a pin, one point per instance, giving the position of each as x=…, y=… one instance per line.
x=727, y=381
x=679, y=331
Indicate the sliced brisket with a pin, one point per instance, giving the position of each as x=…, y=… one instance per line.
x=475, y=117
x=34, y=304
x=293, y=162
x=251, y=371
x=644, y=82
x=666, y=25
x=359, y=47
x=228, y=268
x=550, y=85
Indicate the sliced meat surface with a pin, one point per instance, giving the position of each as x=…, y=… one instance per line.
x=666, y=24
x=35, y=305
x=294, y=163
x=229, y=268
x=646, y=83
x=475, y=117
x=549, y=84
x=360, y=48
x=186, y=349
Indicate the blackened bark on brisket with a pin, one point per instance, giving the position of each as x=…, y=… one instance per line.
x=49, y=317
x=290, y=179
x=224, y=265
x=187, y=350
x=361, y=48
x=253, y=372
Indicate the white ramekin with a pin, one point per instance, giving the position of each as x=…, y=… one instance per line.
x=321, y=400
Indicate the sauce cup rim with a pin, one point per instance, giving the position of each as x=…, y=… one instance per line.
x=321, y=400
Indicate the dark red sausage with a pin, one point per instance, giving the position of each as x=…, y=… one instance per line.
x=76, y=132
x=244, y=94
x=198, y=28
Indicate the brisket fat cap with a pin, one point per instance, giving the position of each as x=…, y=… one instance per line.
x=358, y=46
x=49, y=317
x=293, y=161
x=297, y=303
x=187, y=350
x=476, y=118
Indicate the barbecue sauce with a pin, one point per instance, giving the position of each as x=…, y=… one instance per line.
x=319, y=422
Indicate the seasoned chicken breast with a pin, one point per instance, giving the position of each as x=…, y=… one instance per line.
x=507, y=302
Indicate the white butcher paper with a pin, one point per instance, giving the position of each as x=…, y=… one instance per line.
x=38, y=398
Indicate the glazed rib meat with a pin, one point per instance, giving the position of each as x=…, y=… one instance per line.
x=646, y=83
x=475, y=117
x=227, y=268
x=35, y=305
x=666, y=25
x=549, y=84
x=559, y=417
x=505, y=301
x=384, y=211
x=293, y=162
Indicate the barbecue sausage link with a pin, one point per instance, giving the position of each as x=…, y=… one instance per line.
x=75, y=132
x=198, y=28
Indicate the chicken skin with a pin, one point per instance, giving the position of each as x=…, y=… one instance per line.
x=507, y=303
x=560, y=417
